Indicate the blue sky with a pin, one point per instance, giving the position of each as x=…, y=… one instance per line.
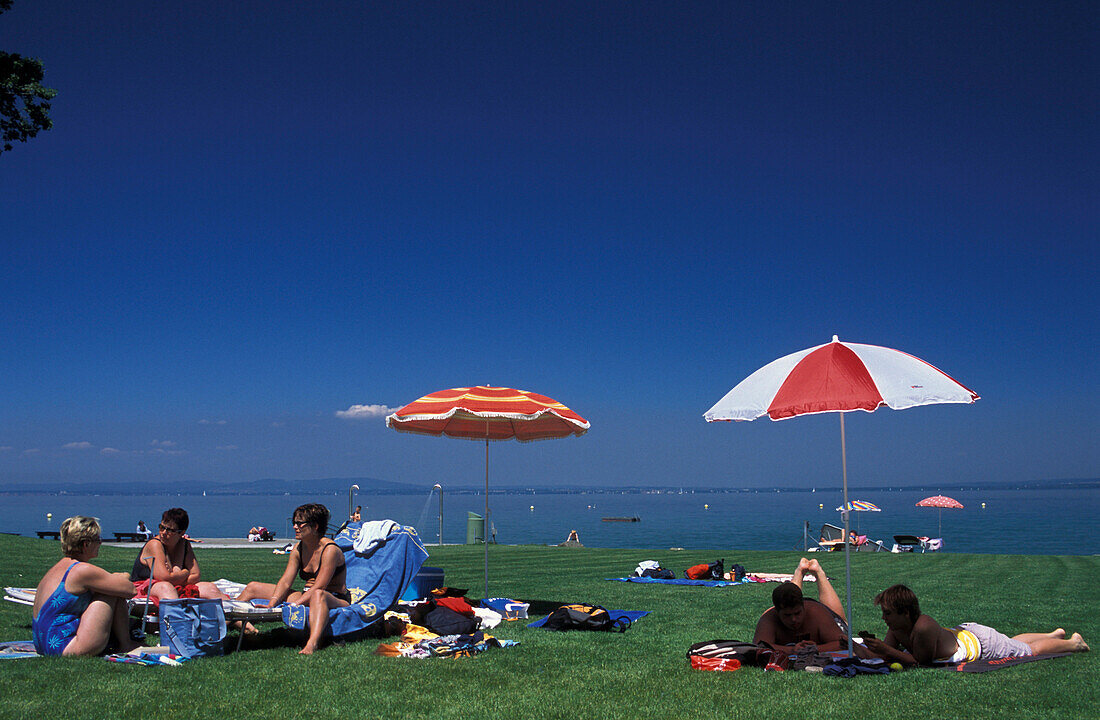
x=250, y=217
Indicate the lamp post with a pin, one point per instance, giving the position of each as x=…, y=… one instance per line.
x=351, y=499
x=439, y=487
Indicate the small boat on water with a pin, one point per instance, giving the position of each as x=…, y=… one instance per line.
x=633, y=518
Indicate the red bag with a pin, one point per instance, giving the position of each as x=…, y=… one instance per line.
x=698, y=662
x=459, y=605
x=698, y=572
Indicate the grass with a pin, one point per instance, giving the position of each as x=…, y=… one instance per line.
x=640, y=674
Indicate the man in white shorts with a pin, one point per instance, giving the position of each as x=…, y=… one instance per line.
x=917, y=639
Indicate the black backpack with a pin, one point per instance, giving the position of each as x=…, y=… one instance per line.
x=659, y=574
x=748, y=654
x=584, y=617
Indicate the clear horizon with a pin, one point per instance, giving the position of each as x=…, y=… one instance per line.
x=251, y=234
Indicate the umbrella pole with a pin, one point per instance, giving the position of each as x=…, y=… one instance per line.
x=485, y=527
x=847, y=544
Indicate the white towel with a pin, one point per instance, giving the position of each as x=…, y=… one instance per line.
x=372, y=534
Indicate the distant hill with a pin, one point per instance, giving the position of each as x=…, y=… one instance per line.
x=266, y=486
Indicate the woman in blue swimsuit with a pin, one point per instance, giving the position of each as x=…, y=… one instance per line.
x=78, y=606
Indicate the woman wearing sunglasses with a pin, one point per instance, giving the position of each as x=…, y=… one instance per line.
x=166, y=568
x=320, y=563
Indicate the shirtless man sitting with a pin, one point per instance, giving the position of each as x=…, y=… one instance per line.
x=804, y=622
x=916, y=639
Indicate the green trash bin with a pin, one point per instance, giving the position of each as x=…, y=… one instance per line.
x=475, y=528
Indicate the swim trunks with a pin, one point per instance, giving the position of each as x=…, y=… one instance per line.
x=980, y=642
x=141, y=589
x=59, y=618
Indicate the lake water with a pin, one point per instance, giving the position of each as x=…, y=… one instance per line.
x=1023, y=521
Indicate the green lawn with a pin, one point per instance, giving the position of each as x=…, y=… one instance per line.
x=640, y=674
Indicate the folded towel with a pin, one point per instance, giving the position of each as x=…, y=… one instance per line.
x=373, y=534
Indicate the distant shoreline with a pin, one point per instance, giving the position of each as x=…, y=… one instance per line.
x=306, y=489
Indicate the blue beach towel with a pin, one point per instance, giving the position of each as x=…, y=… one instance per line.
x=704, y=583
x=630, y=615
x=376, y=580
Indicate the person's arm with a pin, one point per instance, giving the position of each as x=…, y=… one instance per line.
x=765, y=628
x=191, y=565
x=96, y=579
x=160, y=570
x=826, y=634
x=889, y=649
x=282, y=588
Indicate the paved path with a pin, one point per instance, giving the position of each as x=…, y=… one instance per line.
x=222, y=543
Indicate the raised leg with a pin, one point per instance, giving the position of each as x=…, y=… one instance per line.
x=94, y=629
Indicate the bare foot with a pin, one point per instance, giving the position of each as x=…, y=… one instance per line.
x=249, y=629
x=1058, y=633
x=1079, y=643
x=308, y=650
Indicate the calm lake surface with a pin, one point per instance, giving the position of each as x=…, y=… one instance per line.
x=1020, y=521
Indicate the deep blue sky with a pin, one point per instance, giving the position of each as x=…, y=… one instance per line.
x=251, y=216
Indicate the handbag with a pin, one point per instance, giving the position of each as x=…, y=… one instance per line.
x=193, y=627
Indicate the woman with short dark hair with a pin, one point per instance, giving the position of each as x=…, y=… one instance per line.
x=320, y=563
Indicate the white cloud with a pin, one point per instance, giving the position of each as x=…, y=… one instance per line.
x=204, y=421
x=359, y=412
x=162, y=443
x=32, y=451
x=227, y=447
x=6, y=448
x=82, y=445
x=110, y=451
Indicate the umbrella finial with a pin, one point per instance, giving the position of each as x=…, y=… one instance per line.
x=836, y=339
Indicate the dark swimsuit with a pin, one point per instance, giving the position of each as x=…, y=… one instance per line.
x=59, y=618
x=140, y=577
x=336, y=585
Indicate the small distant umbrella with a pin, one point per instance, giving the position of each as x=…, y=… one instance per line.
x=860, y=506
x=941, y=503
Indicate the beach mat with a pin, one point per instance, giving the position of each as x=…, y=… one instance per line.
x=977, y=666
x=17, y=649
x=701, y=583
x=631, y=615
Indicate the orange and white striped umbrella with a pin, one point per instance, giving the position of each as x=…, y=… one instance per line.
x=488, y=413
x=484, y=412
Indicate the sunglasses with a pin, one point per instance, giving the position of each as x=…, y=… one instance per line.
x=165, y=528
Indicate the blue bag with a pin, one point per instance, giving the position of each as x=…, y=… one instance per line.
x=193, y=627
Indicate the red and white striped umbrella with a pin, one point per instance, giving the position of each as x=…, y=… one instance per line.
x=839, y=377
x=488, y=413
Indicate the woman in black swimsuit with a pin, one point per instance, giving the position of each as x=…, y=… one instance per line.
x=320, y=563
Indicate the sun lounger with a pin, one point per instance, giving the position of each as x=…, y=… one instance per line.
x=906, y=543
x=376, y=580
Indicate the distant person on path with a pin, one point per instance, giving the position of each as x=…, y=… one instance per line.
x=78, y=606
x=917, y=639
x=320, y=563
x=142, y=530
x=171, y=561
x=804, y=622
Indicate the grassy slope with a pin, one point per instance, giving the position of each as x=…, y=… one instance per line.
x=640, y=674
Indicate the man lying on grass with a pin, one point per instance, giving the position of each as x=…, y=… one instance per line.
x=916, y=639
x=804, y=622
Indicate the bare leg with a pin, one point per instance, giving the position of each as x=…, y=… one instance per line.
x=210, y=591
x=318, y=619
x=120, y=627
x=255, y=590
x=826, y=595
x=1029, y=637
x=94, y=629
x=1075, y=643
x=164, y=591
